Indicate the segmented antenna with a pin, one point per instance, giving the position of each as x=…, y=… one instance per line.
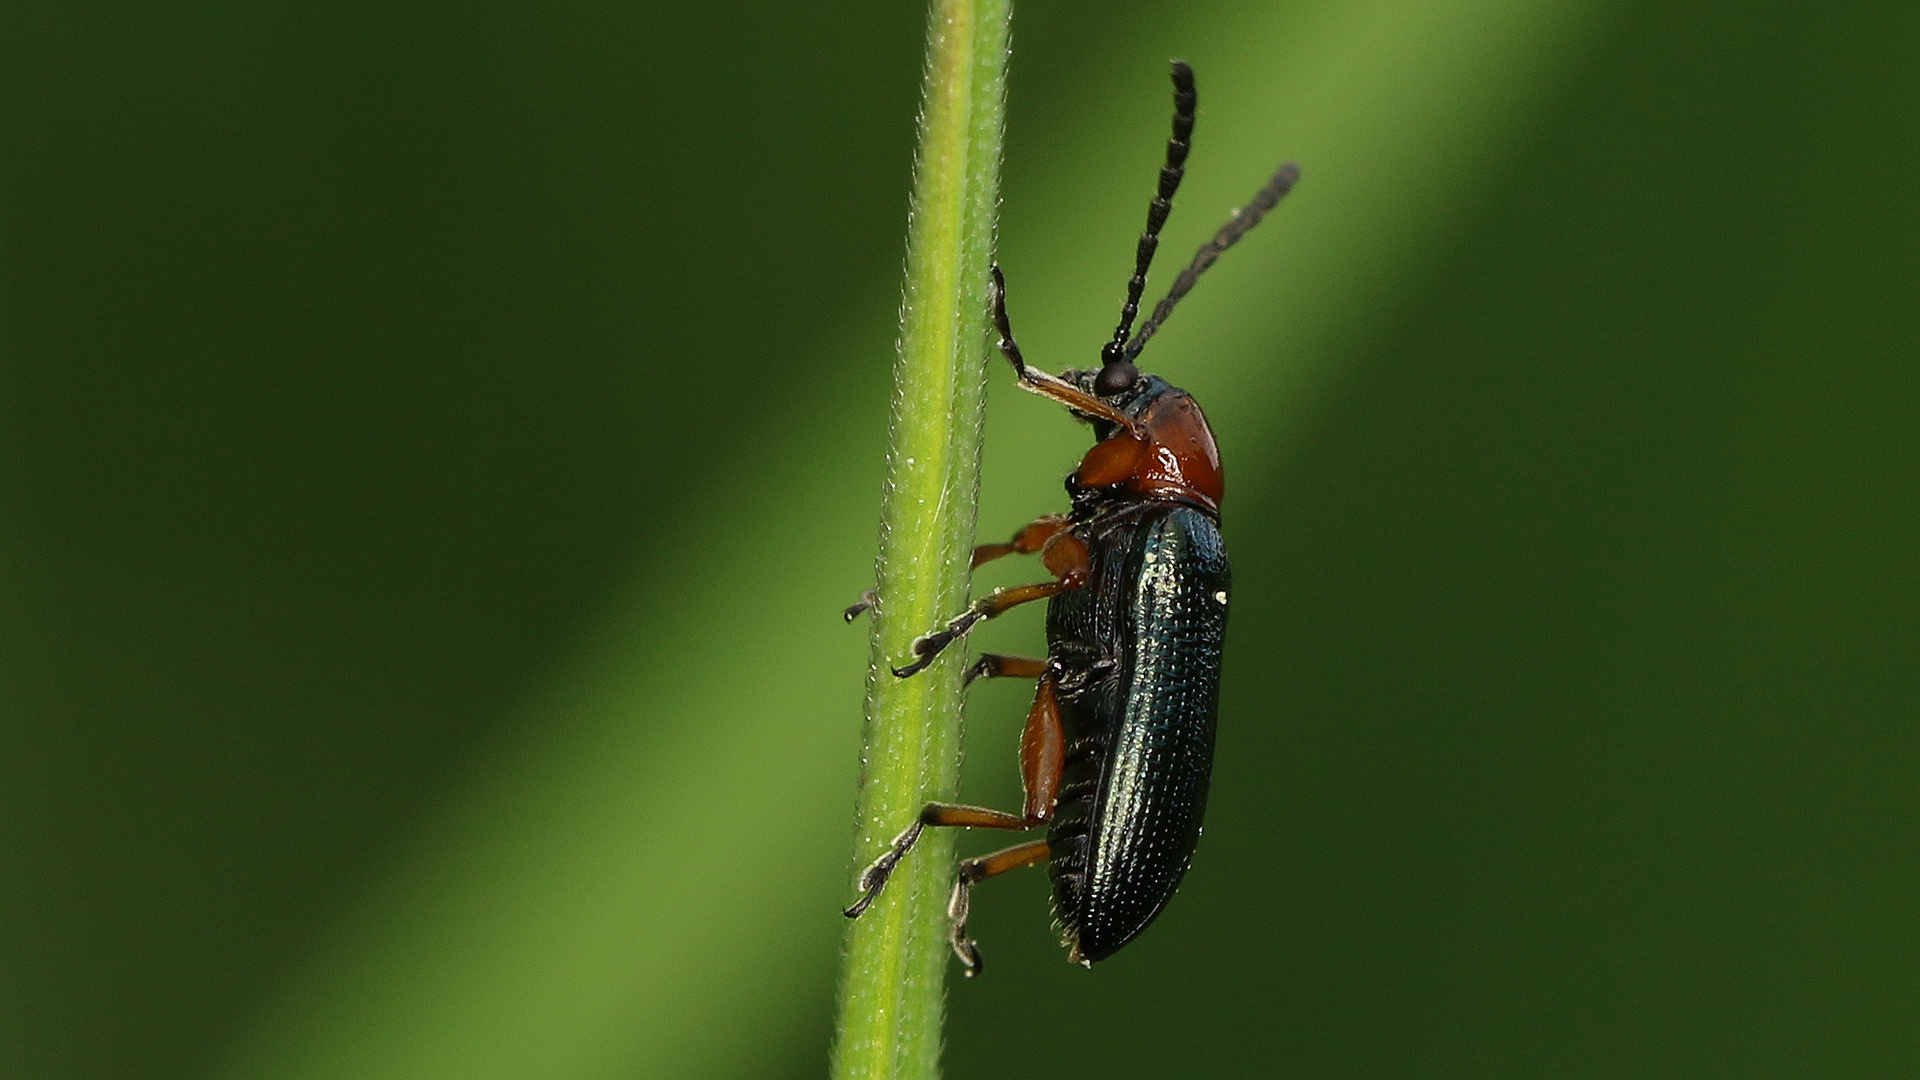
x=1185, y=103
x=1236, y=227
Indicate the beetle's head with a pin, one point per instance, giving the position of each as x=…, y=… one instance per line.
x=1132, y=397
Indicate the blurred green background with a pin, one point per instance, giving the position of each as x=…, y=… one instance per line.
x=436, y=438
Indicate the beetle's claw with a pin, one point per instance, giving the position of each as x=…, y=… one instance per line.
x=927, y=647
x=969, y=953
x=957, y=905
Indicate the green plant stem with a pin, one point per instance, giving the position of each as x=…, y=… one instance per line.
x=892, y=986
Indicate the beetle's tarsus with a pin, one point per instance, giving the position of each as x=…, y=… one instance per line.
x=874, y=877
x=928, y=647
x=964, y=947
x=863, y=605
x=997, y=306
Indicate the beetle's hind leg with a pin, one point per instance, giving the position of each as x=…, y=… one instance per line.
x=997, y=666
x=980, y=869
x=1042, y=761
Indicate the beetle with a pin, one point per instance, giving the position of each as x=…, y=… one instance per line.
x=1117, y=748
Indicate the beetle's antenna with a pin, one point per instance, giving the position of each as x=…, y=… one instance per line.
x=1236, y=227
x=1185, y=103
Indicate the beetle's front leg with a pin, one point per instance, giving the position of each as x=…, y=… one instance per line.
x=863, y=605
x=1031, y=538
x=1065, y=554
x=1043, y=757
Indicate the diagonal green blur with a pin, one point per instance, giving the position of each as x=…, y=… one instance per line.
x=537, y=949
x=435, y=444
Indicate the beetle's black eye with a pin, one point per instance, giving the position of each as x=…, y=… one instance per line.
x=1115, y=378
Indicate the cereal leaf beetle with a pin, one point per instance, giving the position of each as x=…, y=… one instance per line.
x=1118, y=746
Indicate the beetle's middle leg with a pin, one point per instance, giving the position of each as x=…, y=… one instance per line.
x=874, y=878
x=1064, y=553
x=1043, y=758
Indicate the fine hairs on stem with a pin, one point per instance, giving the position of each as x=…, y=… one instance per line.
x=891, y=1007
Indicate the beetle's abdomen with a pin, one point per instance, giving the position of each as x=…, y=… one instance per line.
x=1142, y=739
